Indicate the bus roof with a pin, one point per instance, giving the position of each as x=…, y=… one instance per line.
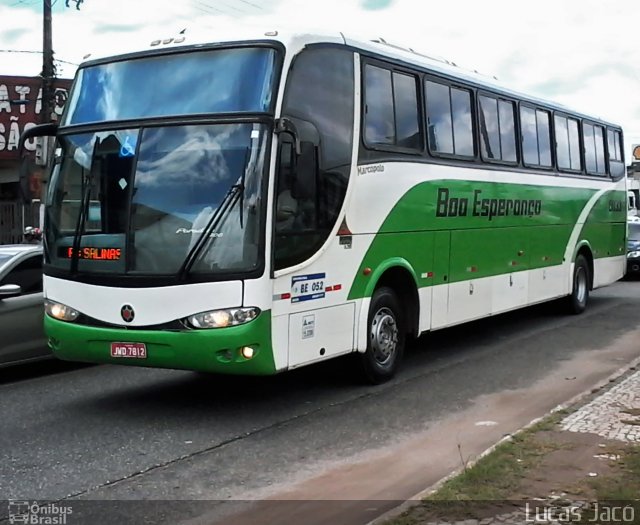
x=295, y=41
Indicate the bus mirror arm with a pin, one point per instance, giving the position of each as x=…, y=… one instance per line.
x=41, y=130
x=285, y=125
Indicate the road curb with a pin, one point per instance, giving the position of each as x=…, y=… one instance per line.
x=415, y=500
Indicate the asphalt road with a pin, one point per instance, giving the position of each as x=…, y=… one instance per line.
x=117, y=433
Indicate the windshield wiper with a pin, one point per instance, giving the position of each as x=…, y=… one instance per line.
x=235, y=193
x=247, y=158
x=228, y=202
x=82, y=215
x=80, y=225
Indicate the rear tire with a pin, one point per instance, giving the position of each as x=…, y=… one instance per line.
x=576, y=303
x=386, y=336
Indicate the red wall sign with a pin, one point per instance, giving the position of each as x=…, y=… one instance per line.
x=20, y=108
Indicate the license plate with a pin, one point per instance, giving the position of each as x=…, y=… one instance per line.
x=130, y=350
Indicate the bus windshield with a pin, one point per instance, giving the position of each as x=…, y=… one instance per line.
x=137, y=201
x=228, y=80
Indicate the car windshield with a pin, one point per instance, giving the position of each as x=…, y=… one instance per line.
x=137, y=201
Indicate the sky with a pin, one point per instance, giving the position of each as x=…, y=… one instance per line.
x=581, y=53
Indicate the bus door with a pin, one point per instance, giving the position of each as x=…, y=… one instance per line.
x=310, y=318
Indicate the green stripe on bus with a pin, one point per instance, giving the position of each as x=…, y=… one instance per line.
x=451, y=231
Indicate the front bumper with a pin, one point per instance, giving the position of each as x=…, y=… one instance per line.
x=215, y=350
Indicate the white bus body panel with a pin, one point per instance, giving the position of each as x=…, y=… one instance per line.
x=321, y=333
x=152, y=306
x=550, y=282
x=509, y=291
x=469, y=300
x=608, y=270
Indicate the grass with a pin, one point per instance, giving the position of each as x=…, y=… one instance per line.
x=496, y=475
x=490, y=480
x=485, y=488
x=624, y=484
x=618, y=492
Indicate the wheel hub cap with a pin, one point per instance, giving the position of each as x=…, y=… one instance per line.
x=384, y=335
x=581, y=285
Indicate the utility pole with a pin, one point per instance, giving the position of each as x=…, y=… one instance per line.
x=48, y=70
x=46, y=111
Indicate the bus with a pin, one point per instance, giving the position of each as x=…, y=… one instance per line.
x=254, y=205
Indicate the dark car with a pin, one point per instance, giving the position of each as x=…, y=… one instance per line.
x=633, y=248
x=21, y=304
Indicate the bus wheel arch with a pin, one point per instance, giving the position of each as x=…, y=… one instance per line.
x=583, y=248
x=585, y=251
x=401, y=280
x=392, y=316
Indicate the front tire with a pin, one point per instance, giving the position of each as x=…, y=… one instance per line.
x=386, y=336
x=577, y=302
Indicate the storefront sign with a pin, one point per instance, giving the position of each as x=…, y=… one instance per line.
x=20, y=109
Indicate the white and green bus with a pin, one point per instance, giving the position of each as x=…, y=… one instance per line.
x=251, y=206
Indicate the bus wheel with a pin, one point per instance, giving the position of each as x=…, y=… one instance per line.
x=385, y=337
x=577, y=301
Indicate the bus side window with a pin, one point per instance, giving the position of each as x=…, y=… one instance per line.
x=616, y=162
x=593, y=140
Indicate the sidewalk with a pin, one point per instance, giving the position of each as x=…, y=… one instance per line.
x=580, y=464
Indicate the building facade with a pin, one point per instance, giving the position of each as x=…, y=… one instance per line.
x=21, y=177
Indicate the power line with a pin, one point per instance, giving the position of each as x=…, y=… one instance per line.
x=234, y=8
x=37, y=53
x=252, y=4
x=23, y=2
x=19, y=51
x=225, y=7
x=31, y=2
x=208, y=8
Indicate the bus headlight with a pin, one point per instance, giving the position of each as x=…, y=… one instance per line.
x=633, y=255
x=60, y=311
x=223, y=318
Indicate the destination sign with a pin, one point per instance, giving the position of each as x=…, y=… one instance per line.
x=93, y=254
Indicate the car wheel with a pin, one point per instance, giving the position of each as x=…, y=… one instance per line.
x=386, y=337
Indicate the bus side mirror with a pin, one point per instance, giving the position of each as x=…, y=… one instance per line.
x=286, y=125
x=41, y=130
x=23, y=179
